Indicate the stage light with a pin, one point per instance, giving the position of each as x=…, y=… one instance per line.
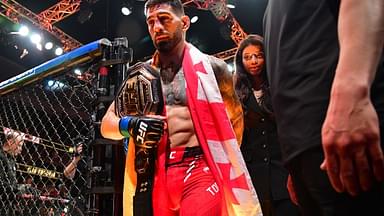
x=125, y=10
x=59, y=51
x=23, y=31
x=55, y=85
x=231, y=6
x=50, y=83
x=194, y=19
x=77, y=71
x=35, y=38
x=48, y=45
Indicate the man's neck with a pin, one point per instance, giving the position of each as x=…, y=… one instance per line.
x=173, y=58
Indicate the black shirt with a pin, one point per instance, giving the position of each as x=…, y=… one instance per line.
x=77, y=188
x=8, y=184
x=261, y=151
x=8, y=180
x=301, y=45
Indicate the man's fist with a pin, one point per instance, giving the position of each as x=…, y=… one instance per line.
x=145, y=131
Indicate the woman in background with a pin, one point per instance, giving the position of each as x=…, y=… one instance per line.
x=260, y=146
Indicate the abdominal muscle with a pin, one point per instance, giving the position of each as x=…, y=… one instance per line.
x=180, y=127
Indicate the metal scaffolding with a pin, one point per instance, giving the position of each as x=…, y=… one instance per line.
x=45, y=20
x=59, y=11
x=222, y=13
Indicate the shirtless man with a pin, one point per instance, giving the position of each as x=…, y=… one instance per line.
x=191, y=186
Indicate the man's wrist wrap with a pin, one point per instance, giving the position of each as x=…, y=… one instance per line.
x=123, y=126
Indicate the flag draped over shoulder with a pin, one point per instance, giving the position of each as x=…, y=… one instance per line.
x=217, y=139
x=216, y=135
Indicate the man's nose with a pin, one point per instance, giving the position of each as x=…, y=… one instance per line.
x=157, y=26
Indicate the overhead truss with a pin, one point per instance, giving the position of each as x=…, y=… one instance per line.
x=222, y=13
x=45, y=20
x=64, y=8
x=59, y=11
x=226, y=54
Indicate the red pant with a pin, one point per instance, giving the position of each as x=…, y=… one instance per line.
x=191, y=187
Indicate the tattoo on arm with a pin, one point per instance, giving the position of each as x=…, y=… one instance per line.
x=231, y=101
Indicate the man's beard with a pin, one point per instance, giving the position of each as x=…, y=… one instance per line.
x=165, y=46
x=168, y=45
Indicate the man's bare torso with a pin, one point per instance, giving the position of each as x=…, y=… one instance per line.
x=180, y=126
x=181, y=131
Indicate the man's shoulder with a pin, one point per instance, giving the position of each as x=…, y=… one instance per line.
x=216, y=62
x=219, y=67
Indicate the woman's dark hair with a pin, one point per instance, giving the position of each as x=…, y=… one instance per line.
x=176, y=5
x=242, y=79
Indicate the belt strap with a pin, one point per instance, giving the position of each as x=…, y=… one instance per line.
x=144, y=166
x=180, y=154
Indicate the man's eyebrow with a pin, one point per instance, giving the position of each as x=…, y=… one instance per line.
x=159, y=14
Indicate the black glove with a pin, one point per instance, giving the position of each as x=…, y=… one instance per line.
x=145, y=131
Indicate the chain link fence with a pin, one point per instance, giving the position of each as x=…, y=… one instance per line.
x=45, y=133
x=52, y=158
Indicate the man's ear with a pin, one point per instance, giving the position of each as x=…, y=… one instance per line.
x=186, y=22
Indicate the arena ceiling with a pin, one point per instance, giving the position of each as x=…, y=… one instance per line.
x=107, y=21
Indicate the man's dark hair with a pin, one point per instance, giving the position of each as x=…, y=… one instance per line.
x=176, y=5
x=8, y=136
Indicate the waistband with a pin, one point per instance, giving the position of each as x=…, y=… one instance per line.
x=180, y=154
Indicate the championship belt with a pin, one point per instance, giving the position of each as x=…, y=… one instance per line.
x=141, y=94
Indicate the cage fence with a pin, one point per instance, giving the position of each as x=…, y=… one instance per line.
x=46, y=128
x=53, y=159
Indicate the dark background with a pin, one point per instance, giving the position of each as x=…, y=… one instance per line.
x=107, y=21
